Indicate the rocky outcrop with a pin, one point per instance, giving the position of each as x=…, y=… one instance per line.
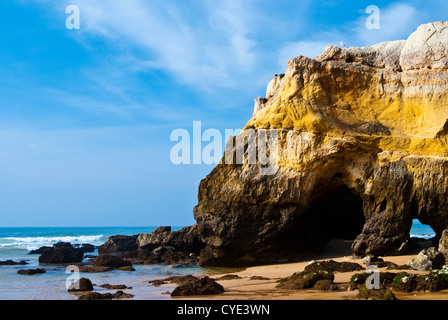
x=31, y=272
x=162, y=246
x=81, y=285
x=356, y=141
x=106, y=296
x=61, y=254
x=428, y=259
x=194, y=286
x=109, y=261
x=12, y=263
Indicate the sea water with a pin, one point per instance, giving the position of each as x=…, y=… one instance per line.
x=15, y=244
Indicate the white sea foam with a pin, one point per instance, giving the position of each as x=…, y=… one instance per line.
x=32, y=243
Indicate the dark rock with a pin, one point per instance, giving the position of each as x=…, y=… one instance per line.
x=174, y=279
x=359, y=279
x=62, y=254
x=259, y=278
x=443, y=244
x=63, y=245
x=436, y=280
x=119, y=244
x=105, y=260
x=86, y=247
x=427, y=259
x=372, y=294
x=228, y=277
x=162, y=246
x=81, y=285
x=90, y=269
x=12, y=263
x=368, y=260
x=304, y=280
x=332, y=266
x=126, y=268
x=38, y=251
x=186, y=240
x=105, y=296
x=114, y=286
x=325, y=285
x=31, y=271
x=198, y=287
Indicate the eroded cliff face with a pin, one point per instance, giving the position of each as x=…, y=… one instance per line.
x=361, y=151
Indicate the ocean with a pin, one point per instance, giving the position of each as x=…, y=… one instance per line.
x=15, y=243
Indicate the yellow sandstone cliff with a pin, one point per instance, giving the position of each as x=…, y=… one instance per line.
x=362, y=150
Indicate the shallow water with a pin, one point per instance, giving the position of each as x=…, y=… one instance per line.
x=15, y=243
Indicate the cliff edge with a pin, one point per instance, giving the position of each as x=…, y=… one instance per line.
x=360, y=150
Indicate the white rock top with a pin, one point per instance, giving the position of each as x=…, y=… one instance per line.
x=426, y=48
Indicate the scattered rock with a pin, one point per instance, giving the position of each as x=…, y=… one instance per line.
x=31, y=271
x=174, y=279
x=436, y=280
x=198, y=287
x=359, y=279
x=114, y=286
x=325, y=285
x=372, y=294
x=332, y=266
x=86, y=247
x=443, y=244
x=259, y=278
x=162, y=246
x=427, y=259
x=90, y=269
x=229, y=277
x=105, y=296
x=38, y=251
x=106, y=260
x=368, y=260
x=61, y=254
x=12, y=263
x=81, y=285
x=304, y=279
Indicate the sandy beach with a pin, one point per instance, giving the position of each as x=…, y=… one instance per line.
x=246, y=288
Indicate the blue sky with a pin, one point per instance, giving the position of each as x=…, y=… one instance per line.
x=86, y=115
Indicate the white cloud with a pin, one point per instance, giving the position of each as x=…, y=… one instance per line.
x=198, y=44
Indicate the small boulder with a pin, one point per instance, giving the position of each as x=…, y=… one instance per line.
x=333, y=266
x=31, y=272
x=12, y=263
x=443, y=243
x=427, y=259
x=198, y=287
x=81, y=285
x=61, y=254
x=372, y=294
x=105, y=296
x=304, y=279
x=105, y=260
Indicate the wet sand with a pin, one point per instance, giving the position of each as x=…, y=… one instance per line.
x=245, y=288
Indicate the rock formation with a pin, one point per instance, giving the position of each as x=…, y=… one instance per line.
x=359, y=150
x=162, y=246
